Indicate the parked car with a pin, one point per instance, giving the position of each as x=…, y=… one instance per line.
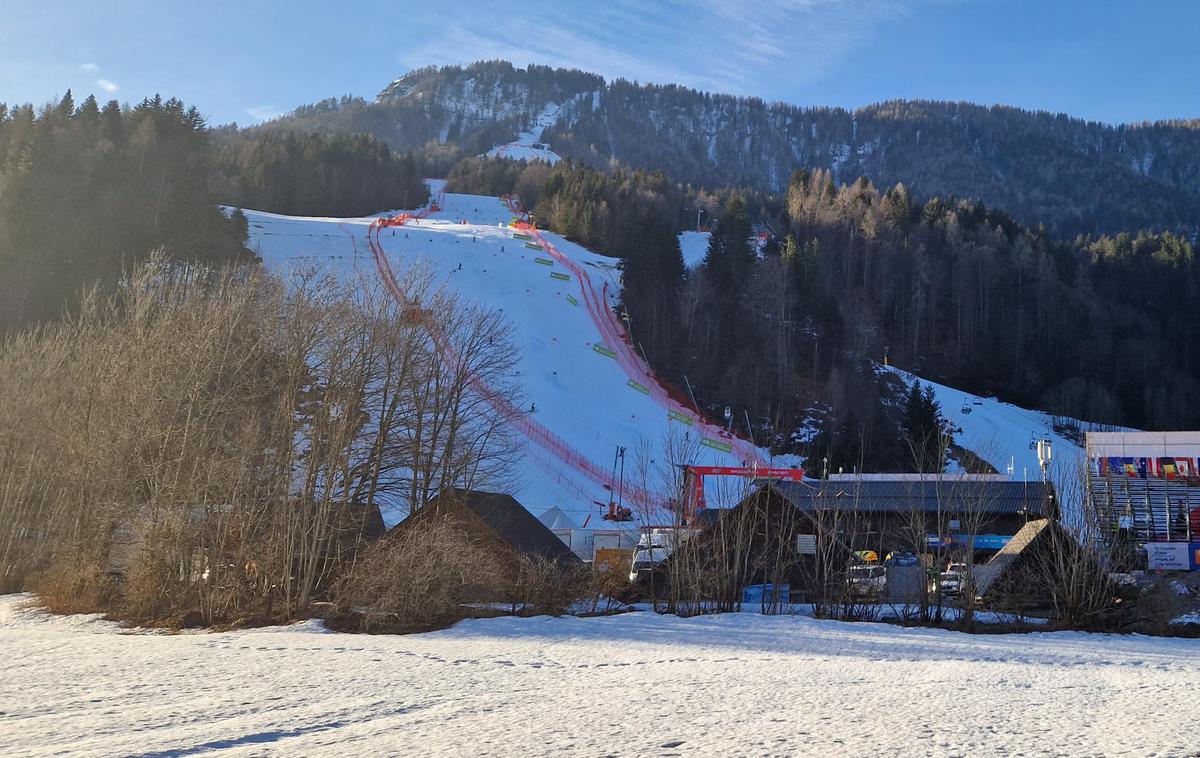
x=953, y=580
x=901, y=558
x=869, y=580
x=653, y=548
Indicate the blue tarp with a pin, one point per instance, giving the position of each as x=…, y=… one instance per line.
x=773, y=593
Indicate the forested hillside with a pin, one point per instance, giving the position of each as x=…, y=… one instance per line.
x=956, y=290
x=314, y=174
x=87, y=191
x=1071, y=175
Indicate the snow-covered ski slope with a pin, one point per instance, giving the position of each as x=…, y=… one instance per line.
x=590, y=389
x=693, y=246
x=524, y=146
x=1004, y=435
x=1000, y=433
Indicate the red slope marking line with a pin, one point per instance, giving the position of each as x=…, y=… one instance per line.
x=522, y=421
x=616, y=339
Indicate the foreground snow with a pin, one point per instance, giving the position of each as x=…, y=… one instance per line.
x=636, y=684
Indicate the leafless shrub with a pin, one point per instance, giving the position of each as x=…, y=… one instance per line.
x=426, y=575
x=550, y=587
x=74, y=584
x=604, y=592
x=210, y=435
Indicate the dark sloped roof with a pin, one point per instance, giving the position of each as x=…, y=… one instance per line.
x=514, y=524
x=899, y=496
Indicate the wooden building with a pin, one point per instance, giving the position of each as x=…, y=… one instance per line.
x=806, y=533
x=498, y=520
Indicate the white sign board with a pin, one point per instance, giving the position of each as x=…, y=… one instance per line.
x=1167, y=556
x=806, y=544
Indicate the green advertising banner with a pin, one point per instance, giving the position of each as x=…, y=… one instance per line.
x=680, y=417
x=520, y=236
x=572, y=300
x=603, y=350
x=724, y=447
x=557, y=275
x=639, y=387
x=533, y=246
x=544, y=261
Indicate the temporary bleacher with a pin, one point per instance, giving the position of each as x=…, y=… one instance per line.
x=1151, y=509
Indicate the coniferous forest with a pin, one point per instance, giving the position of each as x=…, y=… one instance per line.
x=1073, y=176
x=951, y=288
x=314, y=174
x=88, y=191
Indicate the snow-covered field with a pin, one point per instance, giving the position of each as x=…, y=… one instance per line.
x=637, y=684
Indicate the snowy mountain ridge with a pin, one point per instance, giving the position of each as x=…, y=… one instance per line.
x=1007, y=157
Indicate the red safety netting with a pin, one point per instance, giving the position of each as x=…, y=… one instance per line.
x=552, y=453
x=556, y=452
x=616, y=339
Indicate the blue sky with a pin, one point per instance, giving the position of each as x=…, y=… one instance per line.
x=1108, y=60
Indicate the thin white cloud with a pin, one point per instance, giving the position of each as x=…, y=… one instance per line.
x=264, y=112
x=89, y=68
x=107, y=85
x=742, y=48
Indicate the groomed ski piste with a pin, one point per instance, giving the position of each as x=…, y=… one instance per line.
x=693, y=246
x=1005, y=435
x=529, y=146
x=737, y=684
x=587, y=391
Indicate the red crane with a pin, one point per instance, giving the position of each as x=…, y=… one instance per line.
x=693, y=481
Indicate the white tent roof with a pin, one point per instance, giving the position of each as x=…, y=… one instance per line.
x=555, y=518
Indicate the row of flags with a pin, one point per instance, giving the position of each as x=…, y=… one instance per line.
x=1172, y=467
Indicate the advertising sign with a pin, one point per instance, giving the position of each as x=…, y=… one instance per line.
x=680, y=417
x=1168, y=556
x=724, y=447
